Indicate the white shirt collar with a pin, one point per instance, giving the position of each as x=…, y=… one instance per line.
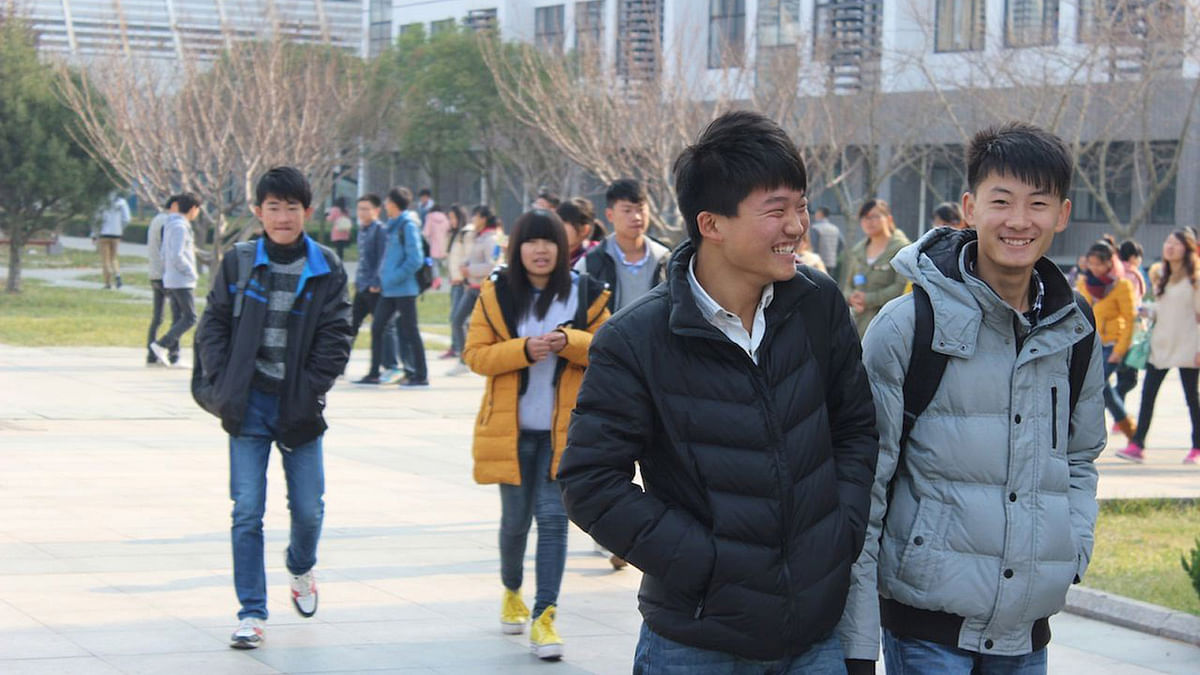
x=729, y=323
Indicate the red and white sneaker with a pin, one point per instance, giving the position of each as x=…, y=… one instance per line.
x=1192, y=457
x=304, y=593
x=249, y=634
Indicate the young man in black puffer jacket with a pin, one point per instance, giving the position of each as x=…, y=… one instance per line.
x=738, y=387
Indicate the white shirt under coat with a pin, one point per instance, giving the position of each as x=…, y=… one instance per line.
x=727, y=322
x=535, y=410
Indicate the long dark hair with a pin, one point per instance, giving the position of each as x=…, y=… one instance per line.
x=538, y=224
x=1190, y=263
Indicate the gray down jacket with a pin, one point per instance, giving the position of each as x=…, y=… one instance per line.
x=993, y=502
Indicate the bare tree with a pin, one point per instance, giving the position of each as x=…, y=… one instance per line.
x=212, y=127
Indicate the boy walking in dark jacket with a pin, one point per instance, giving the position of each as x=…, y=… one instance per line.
x=737, y=387
x=269, y=366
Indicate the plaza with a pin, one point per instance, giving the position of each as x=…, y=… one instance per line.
x=114, y=548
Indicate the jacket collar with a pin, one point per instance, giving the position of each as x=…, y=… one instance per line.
x=315, y=264
x=686, y=317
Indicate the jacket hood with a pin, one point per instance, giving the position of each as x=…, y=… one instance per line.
x=938, y=262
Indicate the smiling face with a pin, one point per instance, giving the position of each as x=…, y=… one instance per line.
x=1173, y=250
x=283, y=220
x=539, y=257
x=1016, y=221
x=759, y=242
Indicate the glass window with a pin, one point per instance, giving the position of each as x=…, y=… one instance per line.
x=1028, y=23
x=960, y=25
x=726, y=33
x=548, y=31
x=778, y=22
x=589, y=25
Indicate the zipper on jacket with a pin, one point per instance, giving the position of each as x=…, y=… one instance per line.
x=1054, y=417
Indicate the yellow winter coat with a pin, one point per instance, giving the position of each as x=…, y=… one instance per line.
x=492, y=350
x=1115, y=314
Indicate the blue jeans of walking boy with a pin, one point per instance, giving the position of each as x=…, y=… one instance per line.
x=536, y=496
x=304, y=471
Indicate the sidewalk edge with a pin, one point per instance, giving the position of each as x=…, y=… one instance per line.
x=1133, y=614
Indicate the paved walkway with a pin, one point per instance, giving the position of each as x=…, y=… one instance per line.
x=114, y=551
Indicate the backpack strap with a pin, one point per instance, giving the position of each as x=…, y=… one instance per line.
x=925, y=366
x=1081, y=358
x=245, y=251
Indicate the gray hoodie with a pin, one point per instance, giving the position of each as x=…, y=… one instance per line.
x=990, y=512
x=178, y=253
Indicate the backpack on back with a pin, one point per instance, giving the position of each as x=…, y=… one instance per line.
x=926, y=367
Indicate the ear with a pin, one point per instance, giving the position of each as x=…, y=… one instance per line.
x=308, y=212
x=608, y=214
x=709, y=225
x=1064, y=216
x=257, y=211
x=968, y=208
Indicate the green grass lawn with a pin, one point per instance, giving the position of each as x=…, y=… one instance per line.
x=70, y=258
x=1138, y=545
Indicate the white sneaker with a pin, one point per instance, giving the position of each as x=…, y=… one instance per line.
x=160, y=353
x=459, y=368
x=304, y=594
x=392, y=376
x=249, y=634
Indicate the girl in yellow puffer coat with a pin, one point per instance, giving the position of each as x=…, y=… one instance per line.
x=529, y=334
x=1112, y=300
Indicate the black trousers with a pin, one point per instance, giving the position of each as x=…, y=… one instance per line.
x=412, y=349
x=183, y=316
x=1154, y=378
x=156, y=317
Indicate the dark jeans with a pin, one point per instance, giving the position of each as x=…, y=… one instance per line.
x=160, y=300
x=1127, y=379
x=412, y=350
x=340, y=247
x=1154, y=378
x=304, y=472
x=458, y=336
x=538, y=496
x=183, y=316
x=906, y=656
x=460, y=318
x=364, y=305
x=657, y=655
x=1111, y=400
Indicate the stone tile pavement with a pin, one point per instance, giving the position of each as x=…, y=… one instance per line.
x=114, y=551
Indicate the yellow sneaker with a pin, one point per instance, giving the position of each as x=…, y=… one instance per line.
x=513, y=613
x=543, y=639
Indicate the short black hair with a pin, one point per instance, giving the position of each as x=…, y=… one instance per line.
x=740, y=152
x=424, y=192
x=948, y=212
x=625, y=190
x=170, y=200
x=577, y=212
x=1023, y=151
x=552, y=199
x=400, y=196
x=372, y=198
x=286, y=183
x=1129, y=249
x=340, y=202
x=186, y=201
x=821, y=212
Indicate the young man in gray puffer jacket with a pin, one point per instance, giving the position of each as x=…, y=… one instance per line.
x=984, y=519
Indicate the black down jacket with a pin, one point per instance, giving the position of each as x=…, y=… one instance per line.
x=757, y=477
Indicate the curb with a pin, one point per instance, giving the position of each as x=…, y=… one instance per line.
x=1134, y=614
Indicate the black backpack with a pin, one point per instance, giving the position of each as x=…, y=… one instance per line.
x=424, y=274
x=926, y=367
x=204, y=391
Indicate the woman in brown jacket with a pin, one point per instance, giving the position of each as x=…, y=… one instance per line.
x=529, y=335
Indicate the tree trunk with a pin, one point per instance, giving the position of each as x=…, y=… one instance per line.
x=218, y=238
x=13, y=285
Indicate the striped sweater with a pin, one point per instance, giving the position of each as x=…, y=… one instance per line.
x=270, y=368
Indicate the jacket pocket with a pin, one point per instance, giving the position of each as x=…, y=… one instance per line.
x=1054, y=418
x=918, y=559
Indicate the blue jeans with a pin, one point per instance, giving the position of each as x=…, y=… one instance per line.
x=460, y=318
x=538, y=496
x=458, y=334
x=656, y=655
x=1112, y=401
x=905, y=656
x=305, y=475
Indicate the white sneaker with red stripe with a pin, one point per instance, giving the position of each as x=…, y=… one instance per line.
x=249, y=634
x=304, y=593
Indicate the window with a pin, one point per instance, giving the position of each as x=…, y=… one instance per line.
x=379, y=33
x=1029, y=23
x=639, y=38
x=441, y=26
x=409, y=28
x=481, y=20
x=726, y=33
x=548, y=28
x=1130, y=21
x=778, y=22
x=960, y=25
x=846, y=37
x=1108, y=167
x=589, y=25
